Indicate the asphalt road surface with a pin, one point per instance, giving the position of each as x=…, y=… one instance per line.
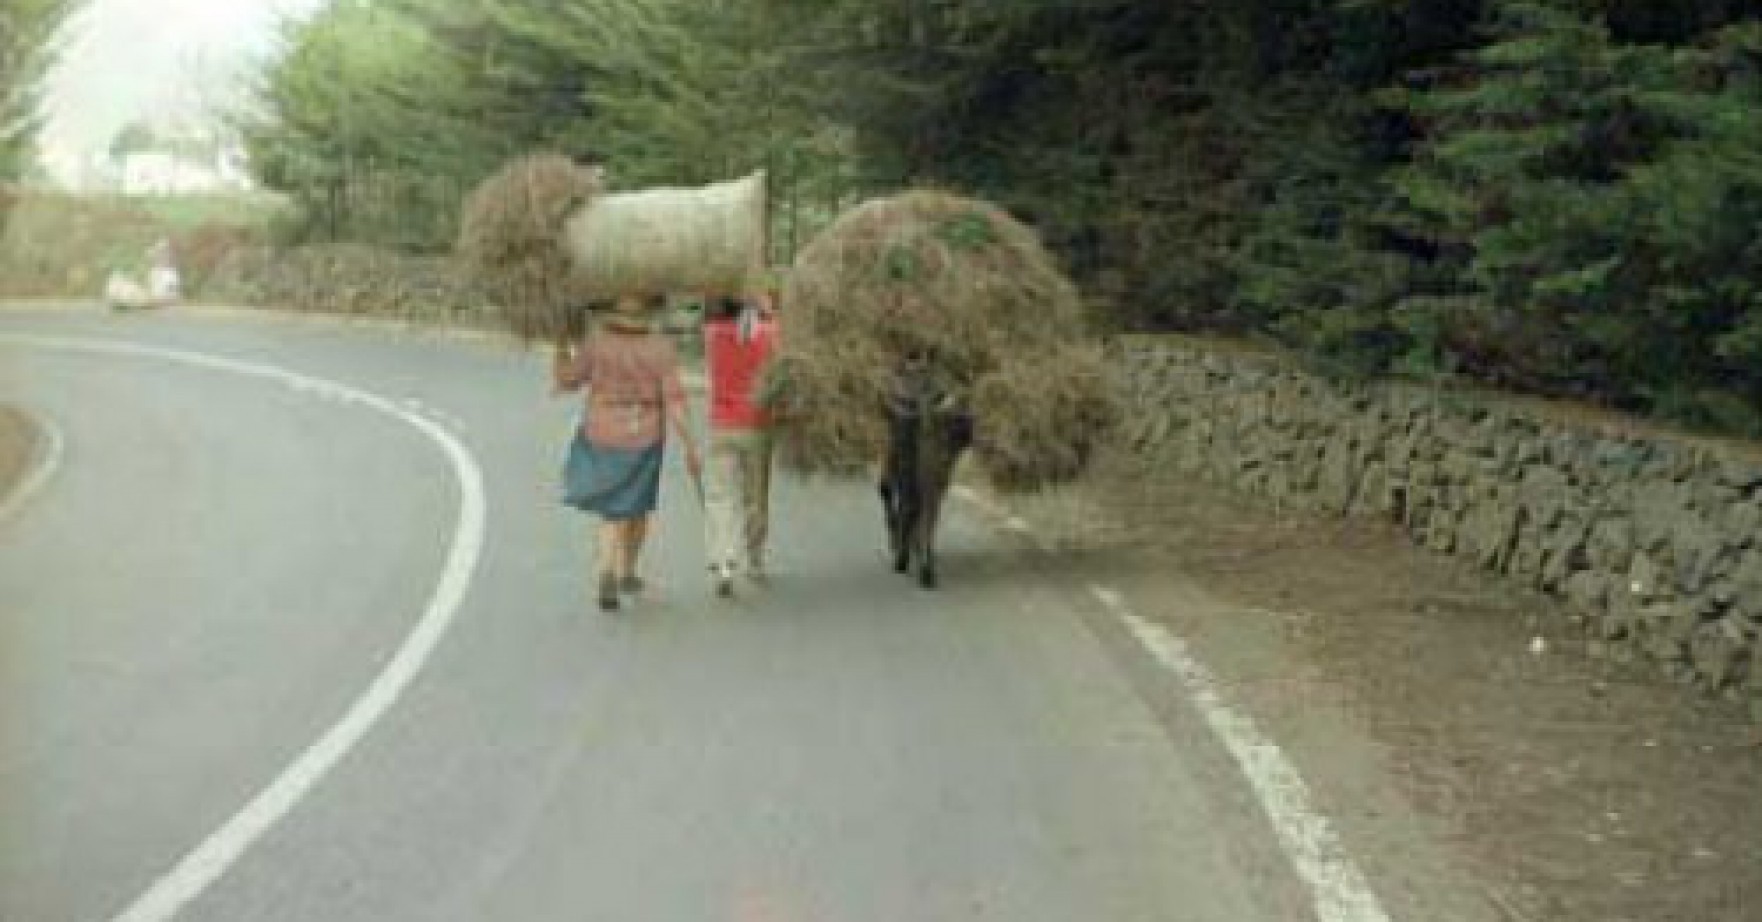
x=224, y=563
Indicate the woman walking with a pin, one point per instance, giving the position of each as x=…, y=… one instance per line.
x=631, y=376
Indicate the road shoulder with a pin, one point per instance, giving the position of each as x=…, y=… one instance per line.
x=1454, y=726
x=22, y=439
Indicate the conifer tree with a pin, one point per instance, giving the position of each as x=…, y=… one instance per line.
x=28, y=38
x=1591, y=199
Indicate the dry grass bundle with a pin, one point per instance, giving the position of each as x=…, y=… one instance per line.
x=672, y=239
x=544, y=239
x=512, y=240
x=818, y=435
x=964, y=283
x=1042, y=417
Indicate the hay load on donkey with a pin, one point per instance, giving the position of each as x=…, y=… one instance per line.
x=546, y=239
x=962, y=291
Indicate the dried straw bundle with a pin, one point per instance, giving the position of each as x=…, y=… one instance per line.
x=962, y=282
x=820, y=435
x=511, y=239
x=1042, y=417
x=670, y=239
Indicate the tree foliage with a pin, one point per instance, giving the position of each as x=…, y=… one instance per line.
x=380, y=115
x=28, y=32
x=1593, y=204
x=1555, y=195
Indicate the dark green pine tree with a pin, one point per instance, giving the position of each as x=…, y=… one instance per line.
x=1559, y=182
x=1689, y=328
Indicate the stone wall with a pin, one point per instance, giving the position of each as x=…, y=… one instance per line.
x=343, y=278
x=1654, y=540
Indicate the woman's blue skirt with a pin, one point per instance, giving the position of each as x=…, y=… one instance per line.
x=615, y=483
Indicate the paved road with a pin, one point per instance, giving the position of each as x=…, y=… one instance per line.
x=224, y=563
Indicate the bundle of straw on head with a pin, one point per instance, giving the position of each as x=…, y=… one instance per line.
x=513, y=240
x=958, y=281
x=708, y=238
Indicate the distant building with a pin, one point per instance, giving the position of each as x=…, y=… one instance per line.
x=161, y=173
x=151, y=172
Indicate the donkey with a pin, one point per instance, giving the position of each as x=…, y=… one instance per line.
x=927, y=429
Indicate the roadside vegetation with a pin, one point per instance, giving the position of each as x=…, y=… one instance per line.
x=28, y=33
x=63, y=245
x=1557, y=197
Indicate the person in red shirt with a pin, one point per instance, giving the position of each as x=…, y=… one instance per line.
x=739, y=335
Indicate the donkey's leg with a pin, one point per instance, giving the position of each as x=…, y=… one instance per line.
x=895, y=495
x=939, y=470
x=891, y=512
x=905, y=478
x=926, y=542
x=911, y=514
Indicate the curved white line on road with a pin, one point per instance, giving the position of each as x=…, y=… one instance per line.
x=47, y=464
x=210, y=859
x=1338, y=889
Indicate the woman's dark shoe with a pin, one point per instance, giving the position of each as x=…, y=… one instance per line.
x=608, y=593
x=631, y=585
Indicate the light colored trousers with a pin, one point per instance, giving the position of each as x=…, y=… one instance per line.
x=737, y=496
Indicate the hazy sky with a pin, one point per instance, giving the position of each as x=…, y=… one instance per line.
x=155, y=60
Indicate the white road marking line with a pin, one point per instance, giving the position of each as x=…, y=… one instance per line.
x=215, y=854
x=46, y=464
x=415, y=405
x=1338, y=888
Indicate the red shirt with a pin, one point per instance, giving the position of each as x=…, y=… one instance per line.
x=735, y=364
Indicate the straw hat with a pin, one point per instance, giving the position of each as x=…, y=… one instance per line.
x=630, y=304
x=635, y=310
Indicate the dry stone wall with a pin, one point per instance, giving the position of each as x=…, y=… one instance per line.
x=1654, y=540
x=347, y=279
